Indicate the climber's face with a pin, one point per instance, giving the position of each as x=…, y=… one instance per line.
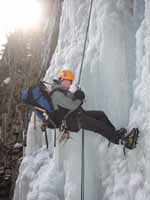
x=66, y=84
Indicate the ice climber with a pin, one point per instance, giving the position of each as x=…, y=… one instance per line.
x=65, y=102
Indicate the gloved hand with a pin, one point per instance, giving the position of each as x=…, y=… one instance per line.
x=79, y=94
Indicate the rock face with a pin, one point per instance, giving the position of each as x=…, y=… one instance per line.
x=19, y=68
x=9, y=166
x=5, y=184
x=24, y=57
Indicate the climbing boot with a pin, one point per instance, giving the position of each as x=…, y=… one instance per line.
x=130, y=140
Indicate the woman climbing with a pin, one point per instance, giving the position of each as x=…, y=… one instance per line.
x=68, y=107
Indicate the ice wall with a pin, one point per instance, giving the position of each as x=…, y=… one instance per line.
x=140, y=110
x=110, y=65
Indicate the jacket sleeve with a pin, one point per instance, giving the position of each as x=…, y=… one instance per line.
x=60, y=99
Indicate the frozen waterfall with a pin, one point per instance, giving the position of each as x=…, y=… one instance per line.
x=115, y=78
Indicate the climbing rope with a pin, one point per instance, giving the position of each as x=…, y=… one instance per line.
x=84, y=47
x=82, y=167
x=80, y=73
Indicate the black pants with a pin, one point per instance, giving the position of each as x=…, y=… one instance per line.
x=95, y=121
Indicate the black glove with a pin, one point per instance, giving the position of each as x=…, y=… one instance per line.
x=79, y=94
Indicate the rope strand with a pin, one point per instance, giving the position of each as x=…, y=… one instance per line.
x=81, y=67
x=86, y=35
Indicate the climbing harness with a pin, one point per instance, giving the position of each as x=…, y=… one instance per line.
x=63, y=128
x=44, y=126
x=65, y=134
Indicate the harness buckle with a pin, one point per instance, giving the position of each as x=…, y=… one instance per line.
x=63, y=127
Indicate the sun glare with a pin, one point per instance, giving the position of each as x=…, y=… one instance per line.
x=19, y=14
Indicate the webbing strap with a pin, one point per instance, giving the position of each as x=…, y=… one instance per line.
x=46, y=138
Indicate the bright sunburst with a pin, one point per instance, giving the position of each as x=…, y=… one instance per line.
x=22, y=14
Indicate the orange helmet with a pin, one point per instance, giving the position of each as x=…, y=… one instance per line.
x=66, y=74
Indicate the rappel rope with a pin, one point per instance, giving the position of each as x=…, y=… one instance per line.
x=82, y=167
x=80, y=73
x=84, y=48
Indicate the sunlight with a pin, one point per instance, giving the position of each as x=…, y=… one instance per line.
x=22, y=14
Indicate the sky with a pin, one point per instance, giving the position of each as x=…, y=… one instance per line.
x=18, y=14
